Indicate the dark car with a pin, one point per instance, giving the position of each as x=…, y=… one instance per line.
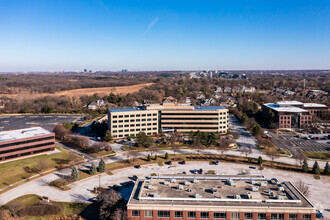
x=135, y=177
x=137, y=166
x=200, y=171
x=216, y=162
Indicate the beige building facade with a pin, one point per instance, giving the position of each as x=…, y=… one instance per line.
x=166, y=117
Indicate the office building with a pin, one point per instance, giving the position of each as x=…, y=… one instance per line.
x=167, y=117
x=294, y=114
x=217, y=197
x=25, y=142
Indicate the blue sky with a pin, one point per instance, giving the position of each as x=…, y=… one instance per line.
x=55, y=35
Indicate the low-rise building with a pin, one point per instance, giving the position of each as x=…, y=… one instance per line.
x=217, y=197
x=25, y=142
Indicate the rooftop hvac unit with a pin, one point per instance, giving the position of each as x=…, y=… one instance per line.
x=254, y=188
x=156, y=195
x=231, y=182
x=173, y=180
x=195, y=180
x=180, y=187
x=198, y=196
x=237, y=196
x=263, y=184
x=253, y=182
x=280, y=188
x=280, y=197
x=187, y=183
x=166, y=182
x=150, y=186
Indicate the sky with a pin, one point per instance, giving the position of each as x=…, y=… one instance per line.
x=69, y=35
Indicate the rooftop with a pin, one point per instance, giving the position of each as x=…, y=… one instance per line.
x=314, y=105
x=278, y=108
x=219, y=190
x=289, y=103
x=22, y=133
x=183, y=107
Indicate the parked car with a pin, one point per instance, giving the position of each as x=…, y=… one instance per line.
x=216, y=162
x=200, y=171
x=137, y=166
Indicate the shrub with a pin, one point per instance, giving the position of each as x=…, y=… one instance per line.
x=305, y=166
x=102, y=166
x=260, y=160
x=74, y=173
x=40, y=209
x=211, y=172
x=166, y=156
x=249, y=159
x=92, y=169
x=326, y=169
x=316, y=168
x=154, y=174
x=148, y=158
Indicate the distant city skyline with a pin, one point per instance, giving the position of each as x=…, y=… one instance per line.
x=41, y=35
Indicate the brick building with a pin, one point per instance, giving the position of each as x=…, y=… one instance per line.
x=218, y=197
x=25, y=142
x=294, y=114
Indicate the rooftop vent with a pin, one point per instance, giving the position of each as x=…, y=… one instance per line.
x=180, y=186
x=187, y=183
x=237, y=196
x=198, y=195
x=263, y=184
x=150, y=186
x=173, y=180
x=254, y=188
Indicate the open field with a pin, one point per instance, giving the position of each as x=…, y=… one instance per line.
x=15, y=170
x=317, y=155
x=87, y=91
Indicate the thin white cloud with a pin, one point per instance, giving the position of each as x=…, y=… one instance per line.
x=153, y=22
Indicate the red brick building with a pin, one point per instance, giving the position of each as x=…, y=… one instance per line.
x=217, y=197
x=25, y=142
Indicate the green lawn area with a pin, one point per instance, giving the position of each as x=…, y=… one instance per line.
x=317, y=155
x=15, y=170
x=86, y=210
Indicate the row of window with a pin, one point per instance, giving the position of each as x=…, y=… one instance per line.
x=285, y=117
x=27, y=147
x=26, y=142
x=126, y=135
x=133, y=130
x=134, y=115
x=195, y=128
x=134, y=120
x=133, y=125
x=219, y=215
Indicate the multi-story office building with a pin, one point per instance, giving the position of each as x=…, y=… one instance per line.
x=294, y=114
x=217, y=197
x=24, y=142
x=167, y=117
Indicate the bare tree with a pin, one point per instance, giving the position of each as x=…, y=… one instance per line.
x=303, y=188
x=299, y=157
x=273, y=154
x=198, y=146
x=175, y=148
x=61, y=132
x=223, y=145
x=246, y=151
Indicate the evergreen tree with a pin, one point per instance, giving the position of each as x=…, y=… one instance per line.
x=74, y=173
x=92, y=169
x=166, y=156
x=102, y=166
x=316, y=168
x=156, y=156
x=305, y=166
x=259, y=160
x=149, y=158
x=108, y=136
x=327, y=169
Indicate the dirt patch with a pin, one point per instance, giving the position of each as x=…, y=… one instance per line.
x=86, y=91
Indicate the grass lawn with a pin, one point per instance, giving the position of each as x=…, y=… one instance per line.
x=14, y=171
x=317, y=155
x=104, y=153
x=86, y=210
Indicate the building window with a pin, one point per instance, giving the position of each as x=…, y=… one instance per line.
x=191, y=214
x=204, y=215
x=163, y=214
x=115, y=121
x=261, y=216
x=148, y=213
x=178, y=214
x=143, y=115
x=138, y=120
x=248, y=215
x=219, y=215
x=277, y=216
x=135, y=212
x=138, y=115
x=235, y=215
x=143, y=119
x=114, y=116
x=149, y=115
x=120, y=121
x=115, y=126
x=292, y=216
x=154, y=114
x=120, y=116
x=154, y=119
x=120, y=126
x=126, y=126
x=132, y=115
x=126, y=116
x=306, y=217
x=132, y=120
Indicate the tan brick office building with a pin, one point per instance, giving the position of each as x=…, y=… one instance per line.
x=217, y=197
x=167, y=117
x=25, y=142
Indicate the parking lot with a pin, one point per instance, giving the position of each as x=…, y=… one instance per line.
x=12, y=122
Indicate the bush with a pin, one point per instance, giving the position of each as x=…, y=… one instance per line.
x=154, y=174
x=249, y=159
x=305, y=166
x=160, y=163
x=148, y=158
x=316, y=168
x=211, y=172
x=166, y=156
x=102, y=166
x=326, y=169
x=260, y=160
x=40, y=209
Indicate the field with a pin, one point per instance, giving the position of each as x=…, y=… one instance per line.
x=87, y=91
x=317, y=155
x=15, y=170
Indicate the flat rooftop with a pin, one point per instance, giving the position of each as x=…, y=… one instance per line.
x=311, y=105
x=216, y=190
x=167, y=108
x=279, y=108
x=23, y=133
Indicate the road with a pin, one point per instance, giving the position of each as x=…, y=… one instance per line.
x=245, y=138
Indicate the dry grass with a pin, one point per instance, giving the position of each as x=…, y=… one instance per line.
x=87, y=91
